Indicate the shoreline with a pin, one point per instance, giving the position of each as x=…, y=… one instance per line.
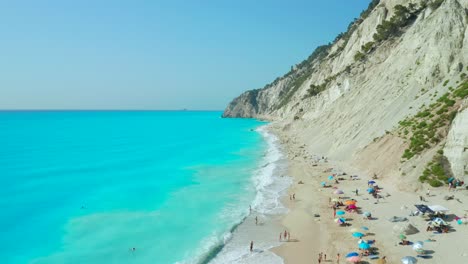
x=311, y=235
x=271, y=184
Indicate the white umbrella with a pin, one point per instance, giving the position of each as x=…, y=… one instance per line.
x=409, y=260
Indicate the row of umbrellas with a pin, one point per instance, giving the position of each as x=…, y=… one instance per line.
x=354, y=257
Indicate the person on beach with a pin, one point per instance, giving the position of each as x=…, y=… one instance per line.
x=256, y=220
x=281, y=236
x=334, y=211
x=325, y=257
x=294, y=196
x=338, y=258
x=428, y=193
x=250, y=208
x=357, y=192
x=285, y=234
x=251, y=246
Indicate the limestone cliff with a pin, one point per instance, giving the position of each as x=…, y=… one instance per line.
x=397, y=57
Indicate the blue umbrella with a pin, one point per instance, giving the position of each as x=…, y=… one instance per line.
x=365, y=228
x=352, y=254
x=364, y=246
x=323, y=183
x=358, y=234
x=330, y=177
x=340, y=212
x=371, y=182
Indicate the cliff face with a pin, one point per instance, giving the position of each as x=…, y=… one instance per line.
x=353, y=91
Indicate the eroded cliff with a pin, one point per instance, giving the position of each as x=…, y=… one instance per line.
x=396, y=58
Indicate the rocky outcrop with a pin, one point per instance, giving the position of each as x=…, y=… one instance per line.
x=456, y=147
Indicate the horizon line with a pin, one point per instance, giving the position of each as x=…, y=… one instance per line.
x=109, y=110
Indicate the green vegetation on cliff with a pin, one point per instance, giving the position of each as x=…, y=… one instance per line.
x=429, y=126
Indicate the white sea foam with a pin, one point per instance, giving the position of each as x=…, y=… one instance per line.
x=270, y=185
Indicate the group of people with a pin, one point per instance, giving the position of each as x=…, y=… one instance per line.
x=322, y=256
x=454, y=184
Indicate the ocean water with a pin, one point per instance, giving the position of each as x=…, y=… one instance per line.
x=88, y=186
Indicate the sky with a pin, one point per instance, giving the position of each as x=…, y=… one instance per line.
x=172, y=54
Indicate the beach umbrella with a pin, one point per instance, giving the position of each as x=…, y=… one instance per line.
x=353, y=206
x=340, y=212
x=340, y=220
x=367, y=214
x=354, y=259
x=370, y=190
x=408, y=260
x=323, y=183
x=364, y=246
x=371, y=182
x=365, y=228
x=330, y=177
x=350, y=202
x=402, y=236
x=352, y=254
x=358, y=234
x=338, y=191
x=418, y=246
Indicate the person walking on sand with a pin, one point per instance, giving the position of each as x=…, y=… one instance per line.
x=281, y=235
x=256, y=220
x=357, y=192
x=334, y=211
x=294, y=196
x=251, y=246
x=338, y=258
x=325, y=257
x=285, y=234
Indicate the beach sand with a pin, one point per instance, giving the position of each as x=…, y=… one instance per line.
x=311, y=235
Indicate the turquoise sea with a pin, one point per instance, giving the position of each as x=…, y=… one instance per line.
x=88, y=186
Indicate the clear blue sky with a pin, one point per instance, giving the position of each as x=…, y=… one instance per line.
x=173, y=54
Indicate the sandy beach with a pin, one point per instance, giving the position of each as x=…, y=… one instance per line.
x=313, y=230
